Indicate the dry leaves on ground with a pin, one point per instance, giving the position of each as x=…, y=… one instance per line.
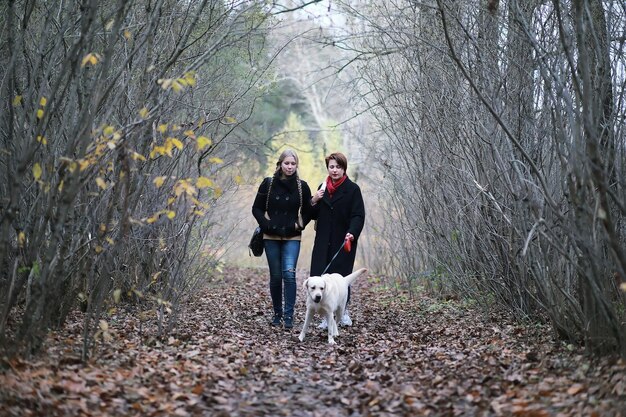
x=403, y=356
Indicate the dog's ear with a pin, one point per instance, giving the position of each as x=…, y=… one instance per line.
x=305, y=282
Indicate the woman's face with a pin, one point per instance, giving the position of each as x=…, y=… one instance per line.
x=334, y=170
x=289, y=166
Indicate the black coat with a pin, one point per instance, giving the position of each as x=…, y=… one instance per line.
x=283, y=205
x=344, y=213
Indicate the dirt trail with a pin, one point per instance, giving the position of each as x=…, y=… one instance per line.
x=401, y=357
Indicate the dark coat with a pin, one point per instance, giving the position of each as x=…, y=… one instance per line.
x=344, y=213
x=283, y=206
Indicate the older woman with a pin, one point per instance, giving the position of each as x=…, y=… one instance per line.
x=340, y=213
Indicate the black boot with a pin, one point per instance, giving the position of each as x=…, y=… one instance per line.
x=276, y=320
x=288, y=322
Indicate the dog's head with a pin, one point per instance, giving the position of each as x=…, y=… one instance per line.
x=315, y=287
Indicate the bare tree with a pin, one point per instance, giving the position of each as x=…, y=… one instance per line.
x=114, y=127
x=503, y=152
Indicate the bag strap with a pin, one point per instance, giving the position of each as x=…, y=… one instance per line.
x=300, y=209
x=267, y=198
x=300, y=192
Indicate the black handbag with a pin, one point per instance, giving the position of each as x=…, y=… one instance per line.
x=256, y=243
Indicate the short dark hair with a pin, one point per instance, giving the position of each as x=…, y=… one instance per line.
x=340, y=158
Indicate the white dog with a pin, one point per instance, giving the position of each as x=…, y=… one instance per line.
x=327, y=295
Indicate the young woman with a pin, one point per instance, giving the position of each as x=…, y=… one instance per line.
x=282, y=209
x=340, y=213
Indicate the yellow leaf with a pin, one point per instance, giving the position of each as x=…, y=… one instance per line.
x=153, y=219
x=162, y=128
x=83, y=164
x=101, y=183
x=109, y=25
x=110, y=241
x=21, y=239
x=104, y=326
x=218, y=192
x=156, y=276
x=200, y=205
x=138, y=156
x=165, y=83
x=170, y=214
x=37, y=171
x=98, y=249
x=90, y=58
x=190, y=77
x=216, y=160
x=60, y=187
x=86, y=60
x=39, y=113
x=183, y=186
x=108, y=130
x=230, y=119
x=42, y=140
x=190, y=133
x=168, y=148
x=143, y=113
x=43, y=101
x=204, y=182
x=203, y=142
x=17, y=100
x=111, y=145
x=177, y=143
x=117, y=294
x=103, y=227
x=623, y=286
x=158, y=181
x=198, y=213
x=238, y=179
x=176, y=86
x=170, y=200
x=127, y=34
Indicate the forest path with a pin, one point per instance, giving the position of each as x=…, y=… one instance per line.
x=403, y=356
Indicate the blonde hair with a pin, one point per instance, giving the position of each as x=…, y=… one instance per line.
x=287, y=153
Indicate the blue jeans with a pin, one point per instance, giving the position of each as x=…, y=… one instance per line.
x=282, y=257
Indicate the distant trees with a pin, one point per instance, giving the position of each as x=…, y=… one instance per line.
x=503, y=145
x=112, y=141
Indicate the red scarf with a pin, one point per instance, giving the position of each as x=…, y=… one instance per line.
x=331, y=188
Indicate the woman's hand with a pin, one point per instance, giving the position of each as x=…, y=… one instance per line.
x=347, y=246
x=317, y=196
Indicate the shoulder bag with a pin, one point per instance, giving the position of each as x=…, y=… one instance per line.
x=256, y=242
